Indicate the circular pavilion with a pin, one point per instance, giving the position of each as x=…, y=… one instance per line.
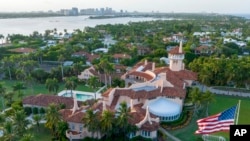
x=165, y=109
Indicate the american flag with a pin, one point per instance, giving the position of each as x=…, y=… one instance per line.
x=218, y=122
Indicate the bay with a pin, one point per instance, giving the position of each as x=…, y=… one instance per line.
x=26, y=26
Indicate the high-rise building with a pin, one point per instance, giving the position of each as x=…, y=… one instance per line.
x=74, y=11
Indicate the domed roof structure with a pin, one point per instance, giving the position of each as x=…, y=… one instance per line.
x=164, y=107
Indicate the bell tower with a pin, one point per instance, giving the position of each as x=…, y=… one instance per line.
x=176, y=56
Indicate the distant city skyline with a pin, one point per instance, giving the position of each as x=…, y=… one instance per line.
x=190, y=6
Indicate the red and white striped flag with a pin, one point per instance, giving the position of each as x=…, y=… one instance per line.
x=218, y=122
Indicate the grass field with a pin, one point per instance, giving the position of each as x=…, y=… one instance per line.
x=220, y=104
x=38, y=89
x=42, y=134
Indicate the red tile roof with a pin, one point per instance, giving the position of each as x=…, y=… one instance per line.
x=89, y=57
x=175, y=51
x=45, y=100
x=161, y=70
x=119, y=67
x=92, y=70
x=23, y=50
x=106, y=93
x=122, y=56
x=67, y=115
x=166, y=91
x=139, y=115
x=201, y=48
x=141, y=74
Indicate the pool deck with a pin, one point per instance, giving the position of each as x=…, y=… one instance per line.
x=98, y=95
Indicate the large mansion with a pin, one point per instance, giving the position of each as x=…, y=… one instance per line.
x=153, y=94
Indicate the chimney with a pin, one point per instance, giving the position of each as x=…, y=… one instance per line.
x=148, y=116
x=161, y=86
x=75, y=107
x=103, y=106
x=146, y=62
x=132, y=106
x=180, y=47
x=153, y=66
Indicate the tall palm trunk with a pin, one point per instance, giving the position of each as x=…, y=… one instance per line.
x=3, y=103
x=110, y=80
x=62, y=70
x=207, y=109
x=9, y=73
x=105, y=79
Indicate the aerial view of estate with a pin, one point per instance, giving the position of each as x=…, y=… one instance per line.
x=112, y=70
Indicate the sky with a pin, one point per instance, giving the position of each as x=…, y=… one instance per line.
x=190, y=6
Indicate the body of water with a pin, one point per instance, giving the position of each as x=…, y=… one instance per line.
x=26, y=26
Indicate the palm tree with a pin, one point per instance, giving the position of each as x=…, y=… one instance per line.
x=93, y=82
x=107, y=123
x=28, y=66
x=2, y=118
x=61, y=59
x=8, y=131
x=102, y=66
x=20, y=74
x=27, y=137
x=196, y=98
x=9, y=97
x=122, y=119
x=55, y=31
x=1, y=37
x=208, y=97
x=71, y=84
x=8, y=63
x=61, y=130
x=2, y=93
x=37, y=119
x=90, y=121
x=52, y=85
x=17, y=88
x=29, y=80
x=20, y=122
x=52, y=118
x=109, y=70
x=77, y=68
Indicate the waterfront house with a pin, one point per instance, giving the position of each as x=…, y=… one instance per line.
x=118, y=57
x=152, y=95
x=204, y=50
x=119, y=70
x=85, y=55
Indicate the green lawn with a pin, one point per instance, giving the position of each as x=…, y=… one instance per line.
x=220, y=104
x=38, y=89
x=42, y=134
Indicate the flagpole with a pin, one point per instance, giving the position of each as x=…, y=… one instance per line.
x=238, y=112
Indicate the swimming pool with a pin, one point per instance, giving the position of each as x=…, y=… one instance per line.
x=80, y=95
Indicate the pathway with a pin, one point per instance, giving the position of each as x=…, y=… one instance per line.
x=168, y=134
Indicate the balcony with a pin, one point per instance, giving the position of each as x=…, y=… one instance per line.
x=75, y=135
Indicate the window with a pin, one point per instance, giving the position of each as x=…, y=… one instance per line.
x=145, y=133
x=132, y=134
x=81, y=128
x=72, y=126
